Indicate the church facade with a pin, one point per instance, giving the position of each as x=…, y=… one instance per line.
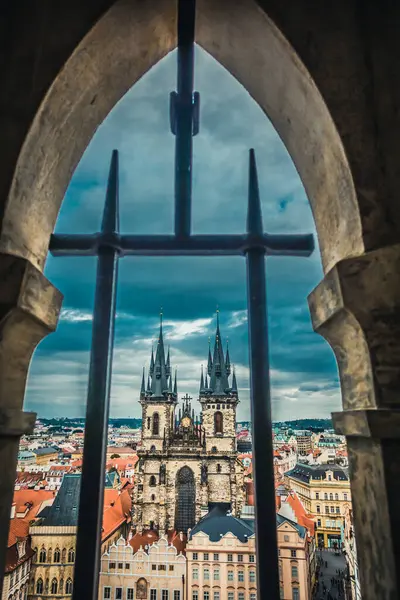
x=187, y=458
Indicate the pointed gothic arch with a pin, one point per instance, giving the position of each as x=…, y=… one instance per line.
x=39, y=586
x=156, y=424
x=218, y=422
x=185, y=500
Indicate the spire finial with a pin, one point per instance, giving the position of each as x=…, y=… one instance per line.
x=110, y=222
x=142, y=389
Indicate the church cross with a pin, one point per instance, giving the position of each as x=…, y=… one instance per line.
x=109, y=245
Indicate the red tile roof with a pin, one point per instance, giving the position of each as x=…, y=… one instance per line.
x=117, y=510
x=143, y=539
x=303, y=518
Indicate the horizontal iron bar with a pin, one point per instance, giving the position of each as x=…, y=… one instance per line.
x=170, y=245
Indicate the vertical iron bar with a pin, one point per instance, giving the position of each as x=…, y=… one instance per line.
x=260, y=398
x=91, y=499
x=184, y=118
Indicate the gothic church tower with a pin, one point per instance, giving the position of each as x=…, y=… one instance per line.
x=186, y=461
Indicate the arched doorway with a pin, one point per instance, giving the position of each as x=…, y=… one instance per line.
x=185, y=504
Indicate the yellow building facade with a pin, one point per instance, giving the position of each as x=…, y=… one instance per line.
x=324, y=491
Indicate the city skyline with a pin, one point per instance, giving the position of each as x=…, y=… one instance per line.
x=303, y=369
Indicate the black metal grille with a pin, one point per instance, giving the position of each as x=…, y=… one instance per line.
x=185, y=506
x=109, y=245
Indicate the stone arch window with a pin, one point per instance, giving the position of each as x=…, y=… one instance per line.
x=219, y=468
x=57, y=555
x=153, y=497
x=153, y=481
x=156, y=424
x=153, y=448
x=185, y=496
x=141, y=588
x=218, y=422
x=42, y=556
x=39, y=586
x=330, y=496
x=336, y=496
x=71, y=555
x=54, y=586
x=68, y=586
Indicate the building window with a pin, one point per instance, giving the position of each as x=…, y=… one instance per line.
x=153, y=497
x=317, y=495
x=230, y=557
x=319, y=522
x=219, y=469
x=295, y=593
x=153, y=481
x=71, y=555
x=156, y=424
x=195, y=556
x=338, y=510
x=118, y=593
x=195, y=595
x=253, y=596
x=177, y=595
x=216, y=556
x=240, y=595
x=230, y=575
x=240, y=557
x=231, y=595
x=293, y=553
x=240, y=575
x=164, y=594
x=153, y=594
x=295, y=571
x=286, y=538
x=216, y=574
x=205, y=555
x=344, y=496
x=112, y=565
x=252, y=558
x=127, y=566
x=252, y=576
x=39, y=586
x=68, y=586
x=327, y=510
x=57, y=555
x=129, y=594
x=120, y=565
x=330, y=496
x=162, y=568
x=206, y=574
x=54, y=586
x=329, y=477
x=154, y=567
x=107, y=593
x=332, y=509
x=206, y=595
x=326, y=496
x=318, y=508
x=42, y=556
x=171, y=567
x=218, y=422
x=336, y=496
x=148, y=422
x=195, y=573
x=216, y=595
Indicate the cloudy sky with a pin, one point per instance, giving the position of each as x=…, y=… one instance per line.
x=303, y=369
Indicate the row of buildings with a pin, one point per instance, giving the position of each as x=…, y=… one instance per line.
x=178, y=521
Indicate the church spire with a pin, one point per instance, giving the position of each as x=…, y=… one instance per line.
x=218, y=373
x=142, y=388
x=201, y=381
x=227, y=360
x=152, y=362
x=159, y=367
x=209, y=363
x=234, y=383
x=176, y=384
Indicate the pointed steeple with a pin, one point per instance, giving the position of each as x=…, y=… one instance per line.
x=152, y=362
x=234, y=383
x=176, y=383
x=168, y=365
x=209, y=363
x=201, y=381
x=142, y=388
x=218, y=375
x=227, y=361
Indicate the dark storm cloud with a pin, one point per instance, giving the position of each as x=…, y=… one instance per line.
x=302, y=365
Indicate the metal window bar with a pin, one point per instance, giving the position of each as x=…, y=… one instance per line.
x=109, y=246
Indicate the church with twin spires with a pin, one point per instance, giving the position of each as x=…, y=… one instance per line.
x=187, y=458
